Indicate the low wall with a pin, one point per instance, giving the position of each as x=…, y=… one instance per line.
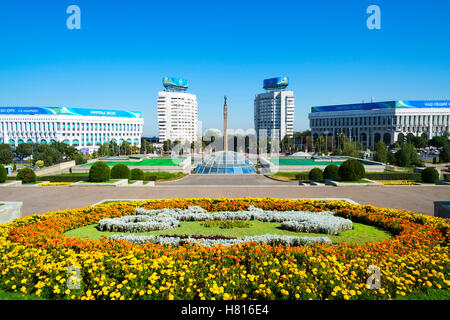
x=10, y=211
x=57, y=168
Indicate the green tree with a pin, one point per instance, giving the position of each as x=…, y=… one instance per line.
x=380, y=152
x=444, y=156
x=6, y=155
x=24, y=150
x=439, y=141
x=104, y=150
x=167, y=145
x=406, y=156
x=420, y=142
x=125, y=148
x=287, y=144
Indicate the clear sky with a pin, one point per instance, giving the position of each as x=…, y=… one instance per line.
x=124, y=48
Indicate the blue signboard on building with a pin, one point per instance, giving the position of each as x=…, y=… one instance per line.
x=277, y=82
x=175, y=82
x=68, y=111
x=385, y=105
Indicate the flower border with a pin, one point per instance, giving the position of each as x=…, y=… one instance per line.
x=35, y=256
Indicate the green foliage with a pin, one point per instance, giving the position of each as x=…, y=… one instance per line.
x=447, y=176
x=23, y=150
x=420, y=142
x=351, y=170
x=445, y=153
x=125, y=148
x=439, y=141
x=80, y=159
x=331, y=172
x=27, y=175
x=6, y=155
x=3, y=173
x=315, y=174
x=48, y=153
x=301, y=176
x=151, y=178
x=350, y=148
x=104, y=150
x=99, y=172
x=66, y=178
x=137, y=174
x=406, y=156
x=40, y=163
x=430, y=174
x=381, y=154
x=120, y=171
x=167, y=145
x=287, y=144
x=393, y=176
x=391, y=157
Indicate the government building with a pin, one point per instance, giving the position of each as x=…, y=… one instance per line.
x=177, y=111
x=389, y=121
x=84, y=129
x=274, y=109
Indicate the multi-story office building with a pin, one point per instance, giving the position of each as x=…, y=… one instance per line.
x=82, y=128
x=274, y=109
x=177, y=112
x=388, y=121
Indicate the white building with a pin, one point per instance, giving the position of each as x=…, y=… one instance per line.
x=388, y=121
x=274, y=110
x=177, y=112
x=82, y=128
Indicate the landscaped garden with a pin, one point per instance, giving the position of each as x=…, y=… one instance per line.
x=181, y=254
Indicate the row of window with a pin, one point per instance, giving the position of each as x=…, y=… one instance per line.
x=381, y=120
x=34, y=126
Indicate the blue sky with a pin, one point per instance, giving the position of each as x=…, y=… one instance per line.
x=124, y=48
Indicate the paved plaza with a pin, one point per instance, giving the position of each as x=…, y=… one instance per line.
x=43, y=199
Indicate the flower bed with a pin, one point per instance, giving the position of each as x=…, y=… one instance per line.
x=299, y=221
x=398, y=183
x=55, y=184
x=35, y=256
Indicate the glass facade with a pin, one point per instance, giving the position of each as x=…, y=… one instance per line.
x=226, y=162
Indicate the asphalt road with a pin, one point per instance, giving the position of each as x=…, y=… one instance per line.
x=43, y=199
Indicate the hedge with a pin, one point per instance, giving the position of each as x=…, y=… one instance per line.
x=3, y=173
x=99, y=172
x=150, y=178
x=316, y=174
x=447, y=176
x=302, y=176
x=430, y=174
x=65, y=178
x=416, y=176
x=137, y=174
x=27, y=175
x=120, y=171
x=331, y=172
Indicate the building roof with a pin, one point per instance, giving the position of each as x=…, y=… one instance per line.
x=68, y=111
x=398, y=104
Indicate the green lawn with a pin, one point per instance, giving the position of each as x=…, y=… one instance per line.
x=360, y=233
x=357, y=181
x=108, y=181
x=429, y=294
x=166, y=176
x=285, y=176
x=146, y=162
x=301, y=162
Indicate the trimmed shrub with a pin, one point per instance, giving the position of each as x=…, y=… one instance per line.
x=120, y=171
x=40, y=163
x=302, y=176
x=27, y=175
x=137, y=174
x=66, y=178
x=393, y=176
x=447, y=176
x=3, y=173
x=331, y=172
x=315, y=174
x=351, y=170
x=430, y=174
x=99, y=172
x=151, y=178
